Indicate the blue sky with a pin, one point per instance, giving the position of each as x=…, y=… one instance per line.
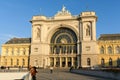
x=16, y=14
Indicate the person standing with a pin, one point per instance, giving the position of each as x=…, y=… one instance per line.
x=33, y=72
x=51, y=69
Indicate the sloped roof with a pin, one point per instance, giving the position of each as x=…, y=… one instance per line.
x=18, y=41
x=109, y=37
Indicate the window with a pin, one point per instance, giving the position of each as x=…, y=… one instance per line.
x=23, y=62
x=102, y=50
x=64, y=41
x=110, y=50
x=35, y=49
x=87, y=48
x=24, y=51
x=88, y=62
x=11, y=62
x=117, y=49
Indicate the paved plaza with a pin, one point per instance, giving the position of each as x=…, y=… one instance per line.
x=12, y=75
x=44, y=74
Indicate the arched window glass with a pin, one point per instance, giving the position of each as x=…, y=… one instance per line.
x=110, y=50
x=102, y=50
x=63, y=40
x=118, y=50
x=110, y=62
x=88, y=62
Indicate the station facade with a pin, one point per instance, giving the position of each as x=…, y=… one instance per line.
x=64, y=40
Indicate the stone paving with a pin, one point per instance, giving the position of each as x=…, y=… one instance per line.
x=44, y=74
x=12, y=75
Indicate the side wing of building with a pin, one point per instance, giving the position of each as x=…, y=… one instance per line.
x=109, y=50
x=15, y=52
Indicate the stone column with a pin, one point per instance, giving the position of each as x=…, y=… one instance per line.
x=66, y=62
x=54, y=61
x=60, y=62
x=72, y=61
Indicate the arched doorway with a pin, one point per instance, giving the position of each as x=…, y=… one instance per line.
x=63, y=48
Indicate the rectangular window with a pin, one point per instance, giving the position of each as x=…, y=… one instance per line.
x=35, y=49
x=87, y=48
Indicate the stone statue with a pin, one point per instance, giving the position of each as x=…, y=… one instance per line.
x=63, y=9
x=37, y=33
x=87, y=30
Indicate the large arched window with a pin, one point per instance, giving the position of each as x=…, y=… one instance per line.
x=63, y=41
x=118, y=50
x=102, y=50
x=109, y=50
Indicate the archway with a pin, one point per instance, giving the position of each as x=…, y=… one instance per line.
x=63, y=43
